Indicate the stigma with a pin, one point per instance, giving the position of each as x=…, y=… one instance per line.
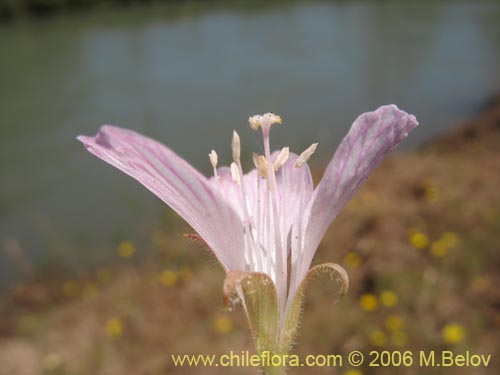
x=265, y=120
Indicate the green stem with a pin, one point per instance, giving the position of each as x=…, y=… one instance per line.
x=274, y=370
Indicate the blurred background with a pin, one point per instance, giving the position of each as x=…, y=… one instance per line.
x=95, y=275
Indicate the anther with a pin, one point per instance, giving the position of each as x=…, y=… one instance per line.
x=235, y=173
x=304, y=157
x=282, y=158
x=260, y=163
x=236, y=146
x=213, y=158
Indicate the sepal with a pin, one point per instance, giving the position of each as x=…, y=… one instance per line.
x=291, y=323
x=257, y=294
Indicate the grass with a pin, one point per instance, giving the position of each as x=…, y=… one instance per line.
x=419, y=241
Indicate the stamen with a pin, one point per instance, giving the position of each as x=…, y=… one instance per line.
x=235, y=173
x=304, y=157
x=259, y=254
x=250, y=243
x=280, y=259
x=299, y=250
x=282, y=158
x=260, y=163
x=213, y=160
x=236, y=146
x=283, y=205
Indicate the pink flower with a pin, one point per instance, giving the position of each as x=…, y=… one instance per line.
x=271, y=220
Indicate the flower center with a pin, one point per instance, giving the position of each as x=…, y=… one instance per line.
x=265, y=212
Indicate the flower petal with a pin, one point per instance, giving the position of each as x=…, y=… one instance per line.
x=228, y=189
x=370, y=138
x=294, y=184
x=176, y=183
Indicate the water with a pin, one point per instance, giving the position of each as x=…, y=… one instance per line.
x=188, y=74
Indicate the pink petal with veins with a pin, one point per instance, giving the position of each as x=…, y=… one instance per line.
x=371, y=137
x=175, y=182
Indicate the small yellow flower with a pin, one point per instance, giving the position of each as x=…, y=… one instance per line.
x=431, y=191
x=223, y=324
x=114, y=327
x=394, y=323
x=378, y=338
x=439, y=249
x=126, y=249
x=389, y=298
x=447, y=241
x=70, y=289
x=453, y=333
x=352, y=260
x=368, y=302
x=52, y=362
x=418, y=240
x=169, y=278
x=399, y=338
x=353, y=372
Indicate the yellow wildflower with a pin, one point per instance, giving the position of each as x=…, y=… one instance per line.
x=394, y=323
x=114, y=327
x=446, y=242
x=368, y=302
x=453, y=333
x=399, y=338
x=450, y=239
x=439, y=249
x=431, y=191
x=52, y=362
x=419, y=240
x=352, y=260
x=378, y=338
x=169, y=278
x=389, y=298
x=126, y=249
x=223, y=324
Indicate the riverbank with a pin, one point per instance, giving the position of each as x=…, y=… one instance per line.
x=15, y=9
x=419, y=241
x=12, y=9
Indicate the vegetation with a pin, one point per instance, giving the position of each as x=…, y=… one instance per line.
x=12, y=8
